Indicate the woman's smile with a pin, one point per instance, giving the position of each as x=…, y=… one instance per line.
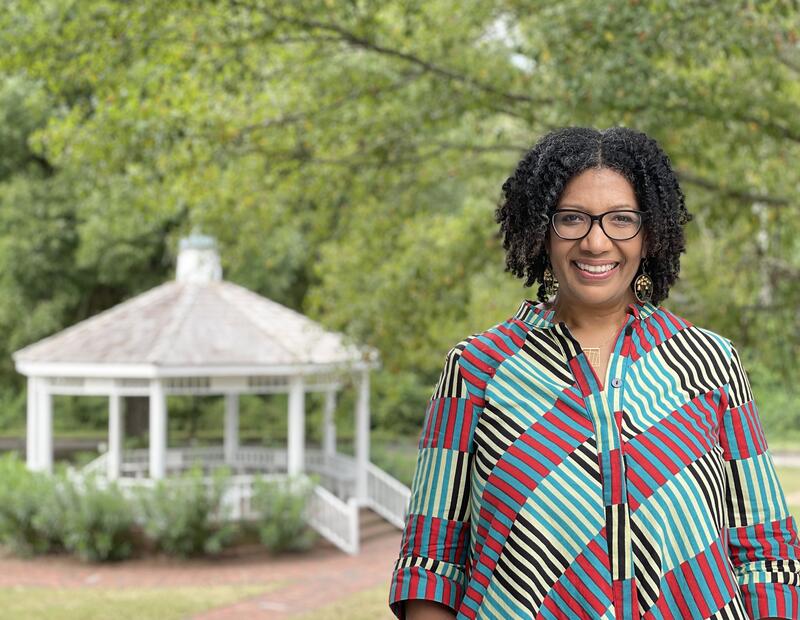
x=592, y=271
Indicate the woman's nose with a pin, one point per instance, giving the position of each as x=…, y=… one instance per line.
x=596, y=240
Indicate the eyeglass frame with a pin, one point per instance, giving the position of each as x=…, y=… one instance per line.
x=599, y=220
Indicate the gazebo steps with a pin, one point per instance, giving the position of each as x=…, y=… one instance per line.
x=372, y=525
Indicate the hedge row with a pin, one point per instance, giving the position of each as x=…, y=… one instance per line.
x=93, y=519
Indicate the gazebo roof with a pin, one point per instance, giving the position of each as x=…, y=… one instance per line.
x=196, y=324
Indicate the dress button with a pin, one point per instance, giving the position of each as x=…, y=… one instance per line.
x=616, y=381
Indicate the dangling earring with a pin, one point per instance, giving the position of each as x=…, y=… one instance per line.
x=643, y=285
x=550, y=282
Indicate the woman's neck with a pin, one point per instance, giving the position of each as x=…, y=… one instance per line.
x=590, y=319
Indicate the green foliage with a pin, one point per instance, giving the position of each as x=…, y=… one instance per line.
x=97, y=520
x=777, y=404
x=185, y=516
x=397, y=458
x=281, y=504
x=26, y=500
x=40, y=512
x=348, y=157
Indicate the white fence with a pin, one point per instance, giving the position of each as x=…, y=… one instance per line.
x=387, y=496
x=332, y=509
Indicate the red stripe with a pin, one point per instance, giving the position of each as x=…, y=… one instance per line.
x=574, y=416
x=482, y=346
x=616, y=474
x=677, y=595
x=677, y=451
x=693, y=586
x=661, y=458
x=501, y=344
x=539, y=447
x=719, y=554
x=506, y=488
x=466, y=427
x=580, y=377
x=479, y=364
x=645, y=464
x=619, y=606
x=518, y=337
x=596, y=578
x=433, y=538
x=450, y=423
x=708, y=575
x=667, y=328
x=545, y=432
x=687, y=424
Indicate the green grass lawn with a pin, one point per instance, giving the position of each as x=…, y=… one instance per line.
x=790, y=481
x=37, y=603
x=370, y=604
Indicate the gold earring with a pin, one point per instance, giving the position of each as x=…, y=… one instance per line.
x=550, y=282
x=643, y=285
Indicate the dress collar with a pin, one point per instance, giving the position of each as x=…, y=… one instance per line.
x=534, y=314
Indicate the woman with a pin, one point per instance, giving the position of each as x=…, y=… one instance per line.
x=595, y=455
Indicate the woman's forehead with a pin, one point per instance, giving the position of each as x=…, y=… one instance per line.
x=598, y=189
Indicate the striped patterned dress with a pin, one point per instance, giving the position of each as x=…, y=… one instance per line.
x=540, y=493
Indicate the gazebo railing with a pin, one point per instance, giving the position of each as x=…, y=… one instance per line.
x=334, y=519
x=337, y=472
x=332, y=509
x=387, y=496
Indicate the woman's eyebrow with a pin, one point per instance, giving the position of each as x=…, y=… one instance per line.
x=581, y=207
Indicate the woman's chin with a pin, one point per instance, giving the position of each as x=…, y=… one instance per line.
x=600, y=296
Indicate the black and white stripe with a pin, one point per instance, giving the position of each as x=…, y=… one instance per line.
x=451, y=384
x=696, y=360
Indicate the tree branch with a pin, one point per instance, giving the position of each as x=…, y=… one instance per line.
x=739, y=194
x=354, y=40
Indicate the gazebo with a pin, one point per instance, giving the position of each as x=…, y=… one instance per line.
x=202, y=335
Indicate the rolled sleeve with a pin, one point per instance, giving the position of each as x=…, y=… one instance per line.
x=762, y=535
x=433, y=561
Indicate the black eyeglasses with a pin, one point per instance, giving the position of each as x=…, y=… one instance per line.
x=571, y=224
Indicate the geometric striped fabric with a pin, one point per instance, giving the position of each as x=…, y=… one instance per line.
x=540, y=493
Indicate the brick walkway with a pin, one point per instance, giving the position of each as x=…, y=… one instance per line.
x=311, y=580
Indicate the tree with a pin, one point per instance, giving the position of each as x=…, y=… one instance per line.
x=348, y=155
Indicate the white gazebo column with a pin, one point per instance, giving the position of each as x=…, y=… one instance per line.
x=362, y=434
x=158, y=429
x=231, y=427
x=296, y=426
x=115, y=426
x=32, y=428
x=329, y=424
x=44, y=425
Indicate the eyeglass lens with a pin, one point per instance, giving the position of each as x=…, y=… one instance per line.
x=618, y=225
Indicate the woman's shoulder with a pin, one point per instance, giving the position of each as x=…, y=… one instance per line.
x=480, y=353
x=702, y=340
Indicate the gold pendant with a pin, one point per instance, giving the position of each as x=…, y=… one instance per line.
x=593, y=355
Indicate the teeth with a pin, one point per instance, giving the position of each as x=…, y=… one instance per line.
x=596, y=268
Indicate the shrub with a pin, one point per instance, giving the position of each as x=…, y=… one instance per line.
x=26, y=498
x=281, y=504
x=98, y=520
x=185, y=516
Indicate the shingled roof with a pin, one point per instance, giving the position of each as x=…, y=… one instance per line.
x=197, y=320
x=187, y=323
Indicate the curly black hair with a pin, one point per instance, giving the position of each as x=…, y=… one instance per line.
x=532, y=193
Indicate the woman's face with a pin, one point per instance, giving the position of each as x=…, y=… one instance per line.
x=596, y=191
